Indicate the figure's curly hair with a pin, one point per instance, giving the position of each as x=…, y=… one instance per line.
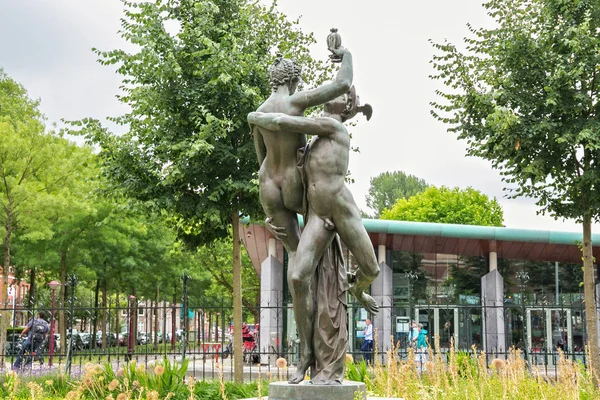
x=283, y=71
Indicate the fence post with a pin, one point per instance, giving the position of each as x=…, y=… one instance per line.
x=184, y=331
x=130, y=328
x=72, y=282
x=173, y=316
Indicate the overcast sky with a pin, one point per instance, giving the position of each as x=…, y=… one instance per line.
x=46, y=45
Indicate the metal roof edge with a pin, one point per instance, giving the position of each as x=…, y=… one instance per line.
x=465, y=231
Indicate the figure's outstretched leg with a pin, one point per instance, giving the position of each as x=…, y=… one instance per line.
x=315, y=239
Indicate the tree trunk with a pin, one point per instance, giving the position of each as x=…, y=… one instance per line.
x=589, y=291
x=95, y=317
x=5, y=268
x=117, y=315
x=156, y=319
x=104, y=290
x=135, y=320
x=32, y=288
x=62, y=297
x=238, y=361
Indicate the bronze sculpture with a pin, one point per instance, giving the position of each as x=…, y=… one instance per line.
x=317, y=190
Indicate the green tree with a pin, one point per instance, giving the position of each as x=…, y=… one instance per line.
x=213, y=257
x=448, y=206
x=388, y=187
x=524, y=95
x=188, y=148
x=37, y=170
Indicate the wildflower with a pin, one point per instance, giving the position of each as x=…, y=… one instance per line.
x=153, y=395
x=122, y=396
x=113, y=385
x=141, y=369
x=498, y=364
x=281, y=362
x=190, y=380
x=349, y=358
x=87, y=381
x=121, y=372
x=49, y=382
x=159, y=370
x=109, y=397
x=72, y=395
x=135, y=385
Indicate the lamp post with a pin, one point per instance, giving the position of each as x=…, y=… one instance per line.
x=53, y=286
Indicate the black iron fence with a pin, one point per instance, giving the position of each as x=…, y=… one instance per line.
x=149, y=331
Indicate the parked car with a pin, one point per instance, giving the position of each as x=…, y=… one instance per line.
x=143, y=338
x=111, y=339
x=123, y=339
x=86, y=340
x=77, y=342
x=167, y=337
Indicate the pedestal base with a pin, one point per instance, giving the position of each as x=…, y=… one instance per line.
x=306, y=391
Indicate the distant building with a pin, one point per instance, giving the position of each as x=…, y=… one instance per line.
x=488, y=287
x=17, y=294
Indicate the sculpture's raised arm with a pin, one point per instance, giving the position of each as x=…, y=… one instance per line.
x=331, y=90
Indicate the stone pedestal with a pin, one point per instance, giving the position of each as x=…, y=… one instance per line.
x=307, y=391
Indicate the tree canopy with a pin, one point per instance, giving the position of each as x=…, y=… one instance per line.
x=524, y=95
x=388, y=187
x=188, y=149
x=449, y=206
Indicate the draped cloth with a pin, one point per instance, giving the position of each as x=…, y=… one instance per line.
x=330, y=284
x=331, y=329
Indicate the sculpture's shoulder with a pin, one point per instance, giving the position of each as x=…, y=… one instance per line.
x=279, y=104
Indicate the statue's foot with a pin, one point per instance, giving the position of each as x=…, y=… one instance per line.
x=296, y=378
x=303, y=366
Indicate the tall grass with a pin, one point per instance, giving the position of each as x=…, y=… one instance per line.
x=473, y=376
x=163, y=380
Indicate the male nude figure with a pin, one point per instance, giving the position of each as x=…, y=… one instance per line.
x=280, y=184
x=331, y=207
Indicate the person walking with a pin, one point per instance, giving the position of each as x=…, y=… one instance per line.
x=367, y=346
x=422, y=347
x=413, y=335
x=36, y=331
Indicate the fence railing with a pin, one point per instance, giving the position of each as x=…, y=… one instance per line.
x=148, y=332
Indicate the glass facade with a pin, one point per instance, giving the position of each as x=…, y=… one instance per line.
x=443, y=293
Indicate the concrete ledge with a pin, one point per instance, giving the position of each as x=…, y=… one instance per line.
x=307, y=391
x=368, y=398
